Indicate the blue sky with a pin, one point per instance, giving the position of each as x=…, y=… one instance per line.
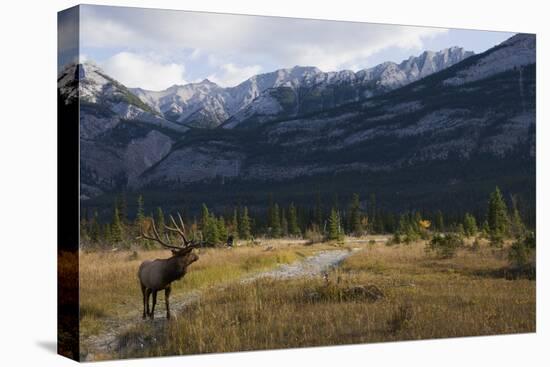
x=155, y=49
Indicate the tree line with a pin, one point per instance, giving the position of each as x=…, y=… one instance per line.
x=317, y=222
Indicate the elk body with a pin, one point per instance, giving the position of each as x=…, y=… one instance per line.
x=157, y=275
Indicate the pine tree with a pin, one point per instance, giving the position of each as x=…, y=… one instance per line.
x=95, y=228
x=497, y=217
x=380, y=225
x=244, y=225
x=517, y=228
x=123, y=208
x=319, y=215
x=160, y=220
x=485, y=228
x=438, y=222
x=284, y=223
x=107, y=233
x=205, y=216
x=211, y=231
x=334, y=226
x=116, y=226
x=470, y=225
x=403, y=226
x=374, y=221
x=355, y=225
x=415, y=222
x=293, y=227
x=84, y=231
x=275, y=222
x=235, y=224
x=460, y=230
x=270, y=210
x=140, y=214
x=222, y=229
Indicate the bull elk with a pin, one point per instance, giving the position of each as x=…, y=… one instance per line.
x=156, y=275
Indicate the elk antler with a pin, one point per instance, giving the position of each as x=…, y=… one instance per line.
x=157, y=237
x=178, y=229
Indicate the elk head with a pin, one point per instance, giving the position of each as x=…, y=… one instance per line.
x=184, y=252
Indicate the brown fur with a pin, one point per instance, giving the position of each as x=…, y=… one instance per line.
x=156, y=275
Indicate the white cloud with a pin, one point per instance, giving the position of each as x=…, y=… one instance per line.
x=239, y=39
x=229, y=75
x=134, y=70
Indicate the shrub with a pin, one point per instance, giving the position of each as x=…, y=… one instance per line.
x=445, y=246
x=411, y=235
x=470, y=225
x=395, y=240
x=496, y=239
x=313, y=235
x=522, y=250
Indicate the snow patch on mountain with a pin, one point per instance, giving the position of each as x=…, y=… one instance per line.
x=206, y=104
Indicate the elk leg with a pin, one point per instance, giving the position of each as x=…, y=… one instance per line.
x=144, y=294
x=154, y=303
x=167, y=301
x=147, y=295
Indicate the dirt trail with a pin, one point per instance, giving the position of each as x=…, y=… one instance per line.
x=311, y=266
x=106, y=343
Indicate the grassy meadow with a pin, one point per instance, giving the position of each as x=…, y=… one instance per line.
x=379, y=293
x=109, y=287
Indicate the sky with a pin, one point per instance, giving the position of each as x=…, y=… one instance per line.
x=155, y=49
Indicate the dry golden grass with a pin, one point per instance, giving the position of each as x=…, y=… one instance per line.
x=424, y=297
x=109, y=286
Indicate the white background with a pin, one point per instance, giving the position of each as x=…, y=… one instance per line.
x=28, y=182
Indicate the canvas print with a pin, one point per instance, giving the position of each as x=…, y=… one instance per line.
x=234, y=183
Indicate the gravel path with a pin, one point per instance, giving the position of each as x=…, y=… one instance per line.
x=311, y=266
x=107, y=343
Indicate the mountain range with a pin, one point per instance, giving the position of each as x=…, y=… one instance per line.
x=289, y=91
x=440, y=127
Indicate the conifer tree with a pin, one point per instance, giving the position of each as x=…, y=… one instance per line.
x=205, y=216
x=123, y=208
x=222, y=229
x=235, y=223
x=84, y=230
x=284, y=223
x=160, y=221
x=517, y=228
x=485, y=228
x=355, y=225
x=95, y=228
x=211, y=230
x=140, y=214
x=107, y=235
x=275, y=222
x=116, y=226
x=379, y=225
x=244, y=225
x=470, y=225
x=497, y=217
x=374, y=221
x=403, y=226
x=270, y=210
x=319, y=215
x=439, y=223
x=293, y=227
x=334, y=226
x=415, y=222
